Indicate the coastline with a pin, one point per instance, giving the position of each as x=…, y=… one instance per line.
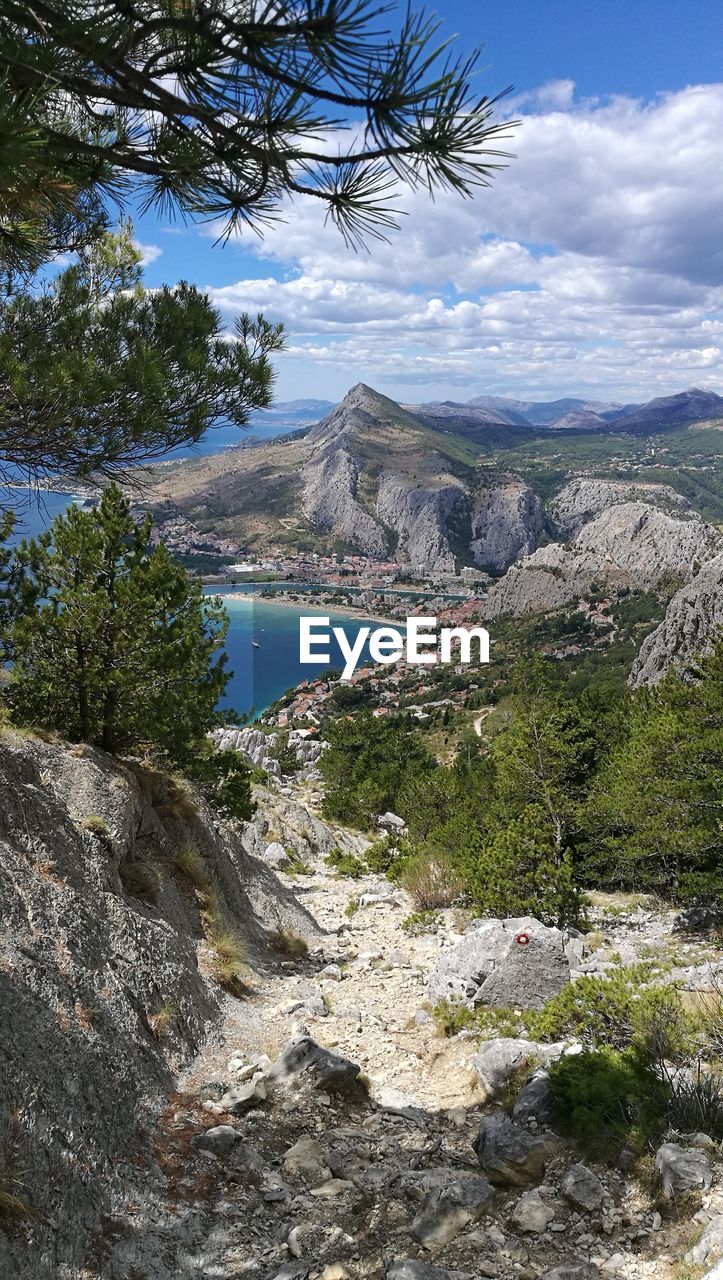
x=348, y=611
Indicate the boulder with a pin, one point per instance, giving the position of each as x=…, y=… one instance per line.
x=498, y=1060
x=710, y=1246
x=509, y=1154
x=327, y=1070
x=306, y=1160
x=582, y=1188
x=535, y=1101
x=218, y=1140
x=447, y=1210
x=680, y=1170
x=411, y=1269
x=515, y=963
x=531, y=1213
x=276, y=856
x=573, y=1271
x=242, y=1097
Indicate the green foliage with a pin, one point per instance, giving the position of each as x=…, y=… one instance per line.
x=654, y=812
x=222, y=113
x=487, y=1023
x=367, y=764
x=121, y=375
x=345, y=864
x=419, y=922
x=285, y=754
x=97, y=826
x=381, y=855
x=226, y=779
x=616, y=1010
x=118, y=647
x=609, y=1098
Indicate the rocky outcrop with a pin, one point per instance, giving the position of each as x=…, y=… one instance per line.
x=106, y=978
x=691, y=624
x=584, y=498
x=550, y=578
x=648, y=543
x=515, y=963
x=506, y=522
x=630, y=545
x=420, y=514
x=330, y=500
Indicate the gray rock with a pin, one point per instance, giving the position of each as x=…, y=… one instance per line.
x=680, y=1170
x=531, y=1213
x=306, y=1160
x=411, y=1269
x=498, y=1060
x=218, y=1140
x=276, y=856
x=509, y=1154
x=582, y=1188
x=448, y=1210
x=242, y=1097
x=709, y=1248
x=506, y=521
x=583, y=499
x=328, y=1070
x=573, y=1271
x=692, y=621
x=391, y=821
x=490, y=966
x=535, y=1100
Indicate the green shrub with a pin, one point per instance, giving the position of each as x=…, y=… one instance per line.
x=431, y=881
x=381, y=855
x=609, y=1098
x=613, y=1011
x=98, y=827
x=345, y=864
x=420, y=922
x=488, y=1023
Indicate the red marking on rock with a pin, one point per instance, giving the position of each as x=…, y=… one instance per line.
x=523, y=939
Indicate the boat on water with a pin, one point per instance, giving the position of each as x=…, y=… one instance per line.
x=256, y=644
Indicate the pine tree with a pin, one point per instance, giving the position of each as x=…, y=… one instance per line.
x=221, y=111
x=656, y=813
x=121, y=648
x=120, y=375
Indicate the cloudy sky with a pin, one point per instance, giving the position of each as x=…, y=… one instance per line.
x=593, y=266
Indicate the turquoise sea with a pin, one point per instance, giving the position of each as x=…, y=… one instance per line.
x=260, y=675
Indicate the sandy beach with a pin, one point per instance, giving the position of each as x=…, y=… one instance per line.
x=348, y=611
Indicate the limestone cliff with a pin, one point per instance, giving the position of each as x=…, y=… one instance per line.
x=630, y=545
x=692, y=622
x=506, y=521
x=106, y=981
x=330, y=500
x=584, y=498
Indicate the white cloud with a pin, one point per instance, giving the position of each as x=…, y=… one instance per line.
x=594, y=263
x=149, y=252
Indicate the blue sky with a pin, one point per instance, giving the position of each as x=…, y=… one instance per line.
x=594, y=264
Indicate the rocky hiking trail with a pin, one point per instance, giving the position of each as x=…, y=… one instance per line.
x=315, y=1125
x=329, y=1130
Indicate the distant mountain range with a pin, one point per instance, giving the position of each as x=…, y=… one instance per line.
x=431, y=485
x=567, y=413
